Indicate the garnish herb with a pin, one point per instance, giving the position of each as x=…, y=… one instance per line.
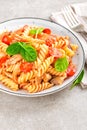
x=13, y=49
x=36, y=31
x=32, y=31
x=61, y=64
x=78, y=80
x=26, y=51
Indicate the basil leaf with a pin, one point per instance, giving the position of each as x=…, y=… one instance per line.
x=33, y=31
x=78, y=80
x=39, y=30
x=13, y=49
x=36, y=31
x=28, y=53
x=61, y=64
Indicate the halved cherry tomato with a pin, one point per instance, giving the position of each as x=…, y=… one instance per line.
x=50, y=40
x=71, y=70
x=39, y=36
x=54, y=52
x=6, y=39
x=42, y=36
x=2, y=60
x=47, y=30
x=26, y=67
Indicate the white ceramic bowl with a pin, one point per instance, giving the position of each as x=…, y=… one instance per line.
x=57, y=29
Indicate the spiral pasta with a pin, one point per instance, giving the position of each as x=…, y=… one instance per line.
x=74, y=47
x=3, y=47
x=43, y=52
x=52, y=71
x=26, y=32
x=59, y=79
x=37, y=59
x=37, y=62
x=32, y=41
x=9, y=83
x=26, y=77
x=69, y=52
x=45, y=65
x=38, y=87
x=10, y=68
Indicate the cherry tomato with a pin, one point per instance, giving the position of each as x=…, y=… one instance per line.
x=26, y=67
x=54, y=52
x=50, y=40
x=39, y=36
x=47, y=30
x=6, y=39
x=71, y=70
x=2, y=60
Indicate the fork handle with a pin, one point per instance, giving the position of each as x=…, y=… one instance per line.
x=85, y=28
x=83, y=23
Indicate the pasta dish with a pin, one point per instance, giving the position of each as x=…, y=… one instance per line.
x=33, y=58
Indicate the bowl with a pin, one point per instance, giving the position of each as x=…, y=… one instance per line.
x=78, y=59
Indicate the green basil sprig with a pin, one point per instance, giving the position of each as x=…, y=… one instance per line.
x=61, y=64
x=36, y=31
x=26, y=51
x=78, y=80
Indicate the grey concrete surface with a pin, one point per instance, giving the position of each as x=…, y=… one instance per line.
x=65, y=110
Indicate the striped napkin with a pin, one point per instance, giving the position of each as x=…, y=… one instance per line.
x=58, y=18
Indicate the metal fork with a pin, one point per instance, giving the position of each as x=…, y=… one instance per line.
x=73, y=22
x=72, y=19
x=76, y=25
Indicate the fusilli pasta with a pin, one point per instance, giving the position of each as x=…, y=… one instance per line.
x=9, y=83
x=34, y=59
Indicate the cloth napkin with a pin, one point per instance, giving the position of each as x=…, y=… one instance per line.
x=58, y=18
x=80, y=9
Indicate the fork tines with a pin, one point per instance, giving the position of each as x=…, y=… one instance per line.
x=71, y=18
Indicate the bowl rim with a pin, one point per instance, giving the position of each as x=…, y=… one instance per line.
x=54, y=91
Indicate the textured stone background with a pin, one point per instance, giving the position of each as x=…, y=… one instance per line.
x=65, y=110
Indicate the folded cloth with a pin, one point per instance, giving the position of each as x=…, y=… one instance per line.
x=80, y=9
x=58, y=18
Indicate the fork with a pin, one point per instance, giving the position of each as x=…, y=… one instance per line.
x=74, y=23
x=72, y=19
